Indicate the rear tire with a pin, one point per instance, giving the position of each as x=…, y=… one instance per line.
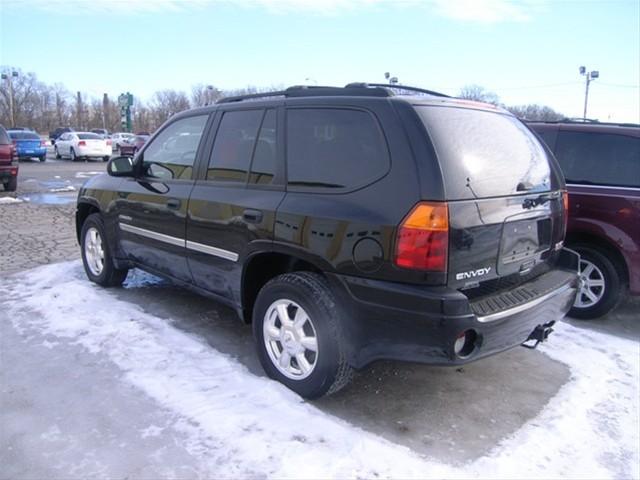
x=58, y=156
x=43, y=158
x=72, y=155
x=601, y=284
x=11, y=185
x=311, y=320
x=105, y=159
x=97, y=254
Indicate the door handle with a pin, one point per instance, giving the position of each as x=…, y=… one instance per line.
x=252, y=216
x=173, y=203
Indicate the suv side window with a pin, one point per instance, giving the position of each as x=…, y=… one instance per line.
x=332, y=148
x=599, y=158
x=263, y=165
x=233, y=147
x=172, y=153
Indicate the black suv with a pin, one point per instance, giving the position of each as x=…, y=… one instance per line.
x=347, y=224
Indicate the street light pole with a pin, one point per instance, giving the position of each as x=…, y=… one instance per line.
x=589, y=77
x=8, y=77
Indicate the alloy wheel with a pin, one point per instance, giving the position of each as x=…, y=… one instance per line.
x=290, y=339
x=592, y=285
x=94, y=251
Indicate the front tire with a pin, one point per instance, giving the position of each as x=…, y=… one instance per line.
x=96, y=254
x=296, y=324
x=601, y=284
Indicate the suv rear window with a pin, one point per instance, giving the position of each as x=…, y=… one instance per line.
x=334, y=148
x=485, y=154
x=599, y=158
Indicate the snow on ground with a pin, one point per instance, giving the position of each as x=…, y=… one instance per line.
x=69, y=188
x=247, y=425
x=9, y=200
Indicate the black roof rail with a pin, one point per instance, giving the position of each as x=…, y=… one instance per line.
x=313, y=91
x=399, y=87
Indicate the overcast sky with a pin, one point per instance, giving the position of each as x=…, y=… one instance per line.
x=526, y=51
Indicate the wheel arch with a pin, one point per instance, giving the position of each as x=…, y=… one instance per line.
x=603, y=245
x=262, y=267
x=85, y=208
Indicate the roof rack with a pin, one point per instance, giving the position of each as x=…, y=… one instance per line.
x=313, y=91
x=351, y=89
x=399, y=87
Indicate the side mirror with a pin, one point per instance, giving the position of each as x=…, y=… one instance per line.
x=120, y=167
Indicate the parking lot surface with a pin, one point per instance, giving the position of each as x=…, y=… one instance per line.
x=72, y=410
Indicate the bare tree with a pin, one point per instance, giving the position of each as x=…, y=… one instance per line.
x=535, y=112
x=166, y=103
x=202, y=95
x=479, y=94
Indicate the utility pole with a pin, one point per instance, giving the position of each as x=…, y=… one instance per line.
x=589, y=77
x=105, y=110
x=79, y=110
x=8, y=77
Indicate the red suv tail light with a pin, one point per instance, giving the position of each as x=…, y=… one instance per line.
x=82, y=143
x=565, y=204
x=109, y=142
x=422, y=242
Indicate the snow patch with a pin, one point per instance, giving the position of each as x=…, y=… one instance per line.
x=9, y=200
x=69, y=188
x=241, y=424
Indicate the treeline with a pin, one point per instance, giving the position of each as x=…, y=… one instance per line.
x=44, y=107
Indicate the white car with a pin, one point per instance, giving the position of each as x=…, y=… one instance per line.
x=121, y=137
x=82, y=145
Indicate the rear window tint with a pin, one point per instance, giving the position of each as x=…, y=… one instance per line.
x=89, y=136
x=599, y=158
x=24, y=135
x=485, y=154
x=334, y=148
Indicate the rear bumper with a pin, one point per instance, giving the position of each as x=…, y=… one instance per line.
x=420, y=324
x=8, y=171
x=31, y=152
x=85, y=152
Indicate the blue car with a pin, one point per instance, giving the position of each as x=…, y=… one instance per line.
x=28, y=144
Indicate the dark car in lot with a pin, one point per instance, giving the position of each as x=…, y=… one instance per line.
x=8, y=162
x=601, y=163
x=53, y=135
x=28, y=144
x=132, y=146
x=347, y=225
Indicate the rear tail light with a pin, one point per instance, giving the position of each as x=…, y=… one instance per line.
x=565, y=204
x=422, y=242
x=109, y=142
x=43, y=143
x=82, y=143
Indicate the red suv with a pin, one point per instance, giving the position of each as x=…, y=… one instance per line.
x=601, y=163
x=8, y=162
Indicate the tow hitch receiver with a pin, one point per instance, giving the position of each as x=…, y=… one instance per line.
x=539, y=335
